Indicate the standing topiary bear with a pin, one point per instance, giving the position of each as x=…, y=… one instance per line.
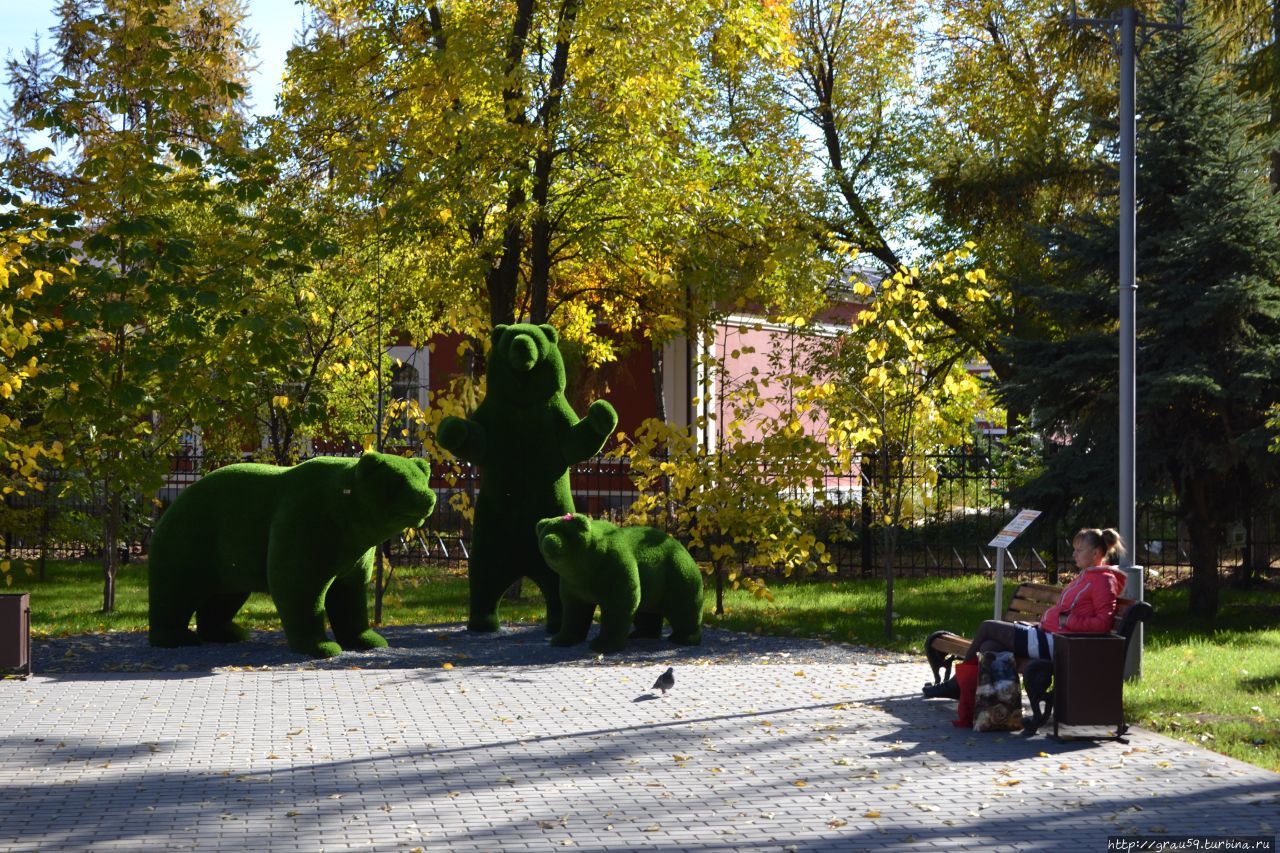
x=523, y=436
x=305, y=534
x=635, y=574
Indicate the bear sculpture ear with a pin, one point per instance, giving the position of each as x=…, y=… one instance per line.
x=368, y=463
x=496, y=335
x=580, y=521
x=551, y=333
x=423, y=464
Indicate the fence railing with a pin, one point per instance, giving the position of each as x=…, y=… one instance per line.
x=955, y=499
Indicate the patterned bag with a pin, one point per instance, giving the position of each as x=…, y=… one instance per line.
x=998, y=702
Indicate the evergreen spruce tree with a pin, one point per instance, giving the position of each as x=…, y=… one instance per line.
x=1208, y=322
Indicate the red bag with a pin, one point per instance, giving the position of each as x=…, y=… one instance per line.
x=967, y=678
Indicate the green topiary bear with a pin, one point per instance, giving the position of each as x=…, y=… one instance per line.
x=305, y=534
x=523, y=436
x=635, y=574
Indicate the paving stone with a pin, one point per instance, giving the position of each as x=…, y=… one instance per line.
x=740, y=756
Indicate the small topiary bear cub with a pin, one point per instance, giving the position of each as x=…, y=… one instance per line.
x=305, y=534
x=634, y=574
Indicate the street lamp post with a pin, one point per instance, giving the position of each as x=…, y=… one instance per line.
x=1126, y=24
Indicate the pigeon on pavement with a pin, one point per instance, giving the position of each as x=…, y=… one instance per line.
x=665, y=681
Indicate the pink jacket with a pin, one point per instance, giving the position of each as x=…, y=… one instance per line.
x=1088, y=604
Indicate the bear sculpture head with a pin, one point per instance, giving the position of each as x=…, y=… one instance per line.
x=525, y=366
x=563, y=539
x=394, y=489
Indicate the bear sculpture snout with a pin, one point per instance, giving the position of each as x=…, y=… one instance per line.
x=425, y=505
x=551, y=546
x=523, y=354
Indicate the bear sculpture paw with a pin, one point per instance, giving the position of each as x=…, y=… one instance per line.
x=368, y=639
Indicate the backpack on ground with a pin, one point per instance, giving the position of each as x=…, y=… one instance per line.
x=997, y=705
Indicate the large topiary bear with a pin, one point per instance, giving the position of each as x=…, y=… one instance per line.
x=636, y=575
x=305, y=534
x=523, y=437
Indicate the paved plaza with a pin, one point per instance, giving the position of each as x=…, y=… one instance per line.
x=773, y=756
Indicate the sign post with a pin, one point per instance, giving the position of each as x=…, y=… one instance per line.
x=1001, y=543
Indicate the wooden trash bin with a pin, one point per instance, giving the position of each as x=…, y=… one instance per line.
x=1088, y=681
x=15, y=633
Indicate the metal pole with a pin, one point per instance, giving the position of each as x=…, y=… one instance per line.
x=1128, y=285
x=1128, y=23
x=378, y=587
x=1128, y=335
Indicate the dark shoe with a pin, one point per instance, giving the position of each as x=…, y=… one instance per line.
x=949, y=689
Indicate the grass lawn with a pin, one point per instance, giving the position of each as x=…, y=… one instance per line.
x=1212, y=683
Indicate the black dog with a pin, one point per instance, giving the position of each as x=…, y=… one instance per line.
x=1037, y=678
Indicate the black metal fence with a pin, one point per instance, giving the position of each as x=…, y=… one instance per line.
x=955, y=505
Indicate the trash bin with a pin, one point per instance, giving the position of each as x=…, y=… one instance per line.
x=1088, y=676
x=15, y=633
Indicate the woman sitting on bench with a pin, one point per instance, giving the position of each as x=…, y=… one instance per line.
x=1086, y=606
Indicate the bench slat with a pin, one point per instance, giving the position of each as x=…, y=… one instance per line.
x=951, y=645
x=1039, y=591
x=1019, y=605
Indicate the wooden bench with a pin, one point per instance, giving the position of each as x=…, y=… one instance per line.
x=1030, y=601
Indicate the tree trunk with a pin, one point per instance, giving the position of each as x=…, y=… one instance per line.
x=890, y=514
x=502, y=280
x=1274, y=100
x=1205, y=537
x=44, y=530
x=865, y=517
x=548, y=118
x=890, y=546
x=720, y=587
x=110, y=539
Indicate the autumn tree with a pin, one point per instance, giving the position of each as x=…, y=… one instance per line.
x=141, y=99
x=33, y=256
x=900, y=390
x=1252, y=29
x=745, y=505
x=1008, y=147
x=557, y=162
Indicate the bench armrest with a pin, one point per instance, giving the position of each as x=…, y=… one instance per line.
x=1139, y=611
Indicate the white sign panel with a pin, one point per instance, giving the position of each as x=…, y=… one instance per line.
x=1020, y=522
